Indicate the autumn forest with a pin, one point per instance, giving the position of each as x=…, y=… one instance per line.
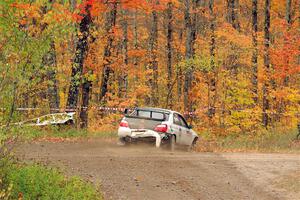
x=230, y=66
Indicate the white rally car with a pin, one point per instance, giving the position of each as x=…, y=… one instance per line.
x=158, y=125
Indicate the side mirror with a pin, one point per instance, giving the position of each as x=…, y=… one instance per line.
x=190, y=126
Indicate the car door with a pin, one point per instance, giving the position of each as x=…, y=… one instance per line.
x=176, y=128
x=186, y=134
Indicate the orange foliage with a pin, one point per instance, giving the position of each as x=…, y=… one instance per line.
x=129, y=57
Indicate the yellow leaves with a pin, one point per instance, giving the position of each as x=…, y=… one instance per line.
x=278, y=6
x=148, y=6
x=141, y=92
x=29, y=10
x=233, y=52
x=117, y=32
x=23, y=22
x=137, y=52
x=134, y=4
x=97, y=8
x=287, y=94
x=21, y=6
x=175, y=3
x=59, y=14
x=226, y=33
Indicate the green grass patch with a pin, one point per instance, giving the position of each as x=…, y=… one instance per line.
x=33, y=181
x=38, y=182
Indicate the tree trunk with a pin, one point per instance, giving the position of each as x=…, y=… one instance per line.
x=288, y=15
x=153, y=64
x=86, y=90
x=236, y=23
x=189, y=53
x=212, y=78
x=110, y=23
x=49, y=60
x=72, y=4
x=254, y=52
x=169, y=53
x=135, y=43
x=266, y=85
x=232, y=14
x=13, y=105
x=80, y=53
x=123, y=78
x=190, y=23
x=179, y=83
x=228, y=10
x=179, y=74
x=288, y=18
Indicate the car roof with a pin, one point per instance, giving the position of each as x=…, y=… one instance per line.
x=154, y=109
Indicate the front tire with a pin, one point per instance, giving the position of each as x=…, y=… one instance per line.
x=122, y=142
x=193, y=145
x=172, y=142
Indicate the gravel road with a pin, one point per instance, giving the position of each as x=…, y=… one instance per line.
x=143, y=172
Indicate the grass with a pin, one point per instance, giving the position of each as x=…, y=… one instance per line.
x=31, y=133
x=267, y=141
x=33, y=181
x=38, y=182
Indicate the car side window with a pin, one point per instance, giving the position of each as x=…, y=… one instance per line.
x=176, y=119
x=182, y=121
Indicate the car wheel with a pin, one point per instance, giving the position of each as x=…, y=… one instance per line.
x=193, y=145
x=172, y=141
x=122, y=142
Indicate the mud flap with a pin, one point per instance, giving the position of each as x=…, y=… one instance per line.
x=158, y=139
x=157, y=136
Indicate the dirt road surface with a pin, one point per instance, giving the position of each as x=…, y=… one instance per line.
x=139, y=172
